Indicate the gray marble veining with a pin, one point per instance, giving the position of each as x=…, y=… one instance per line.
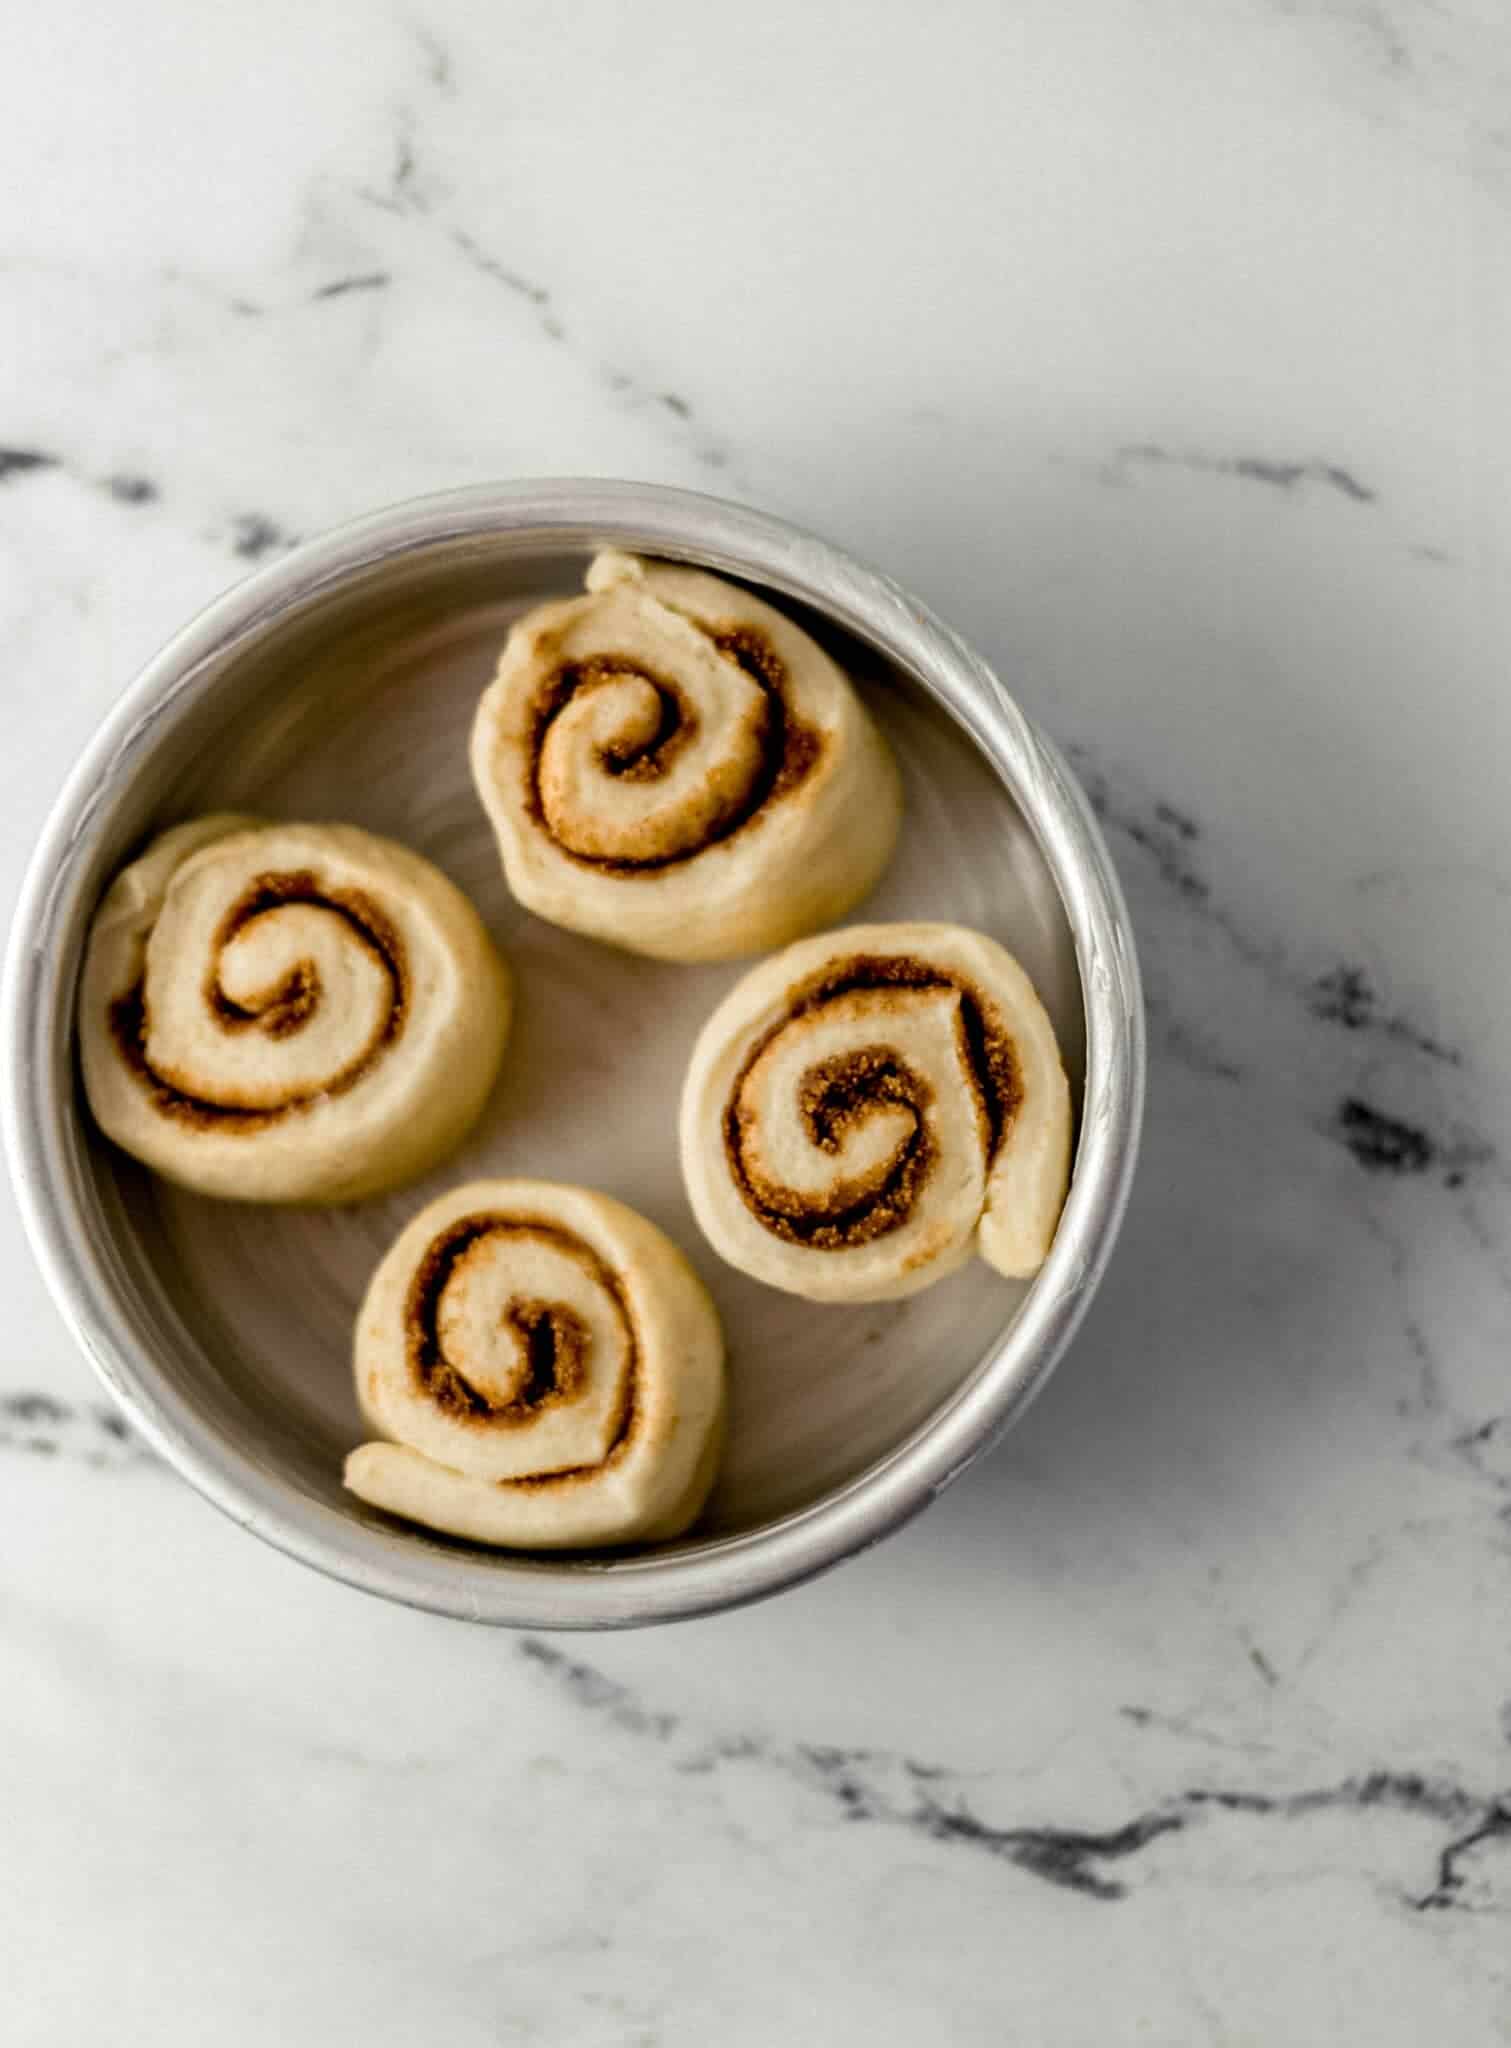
x=1168, y=351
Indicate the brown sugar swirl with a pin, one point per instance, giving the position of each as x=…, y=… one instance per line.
x=674, y=765
x=867, y=1109
x=288, y=1012
x=283, y=1007
x=640, y=728
x=541, y=1369
x=523, y=1354
x=842, y=1089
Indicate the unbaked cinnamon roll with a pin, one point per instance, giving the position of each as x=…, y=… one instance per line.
x=869, y=1108
x=288, y=1013
x=672, y=765
x=546, y=1369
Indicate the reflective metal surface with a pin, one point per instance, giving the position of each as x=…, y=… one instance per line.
x=379, y=629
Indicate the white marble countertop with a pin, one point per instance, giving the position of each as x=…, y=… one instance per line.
x=1167, y=349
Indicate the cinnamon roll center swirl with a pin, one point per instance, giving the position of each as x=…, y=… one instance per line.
x=242, y=995
x=614, y=716
x=872, y=1084
x=506, y=1370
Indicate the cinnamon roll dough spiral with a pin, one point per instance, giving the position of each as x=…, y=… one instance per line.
x=672, y=765
x=288, y=1013
x=867, y=1109
x=547, y=1371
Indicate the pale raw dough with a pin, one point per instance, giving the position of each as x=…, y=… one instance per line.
x=288, y=1013
x=547, y=1371
x=869, y=1108
x=648, y=789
